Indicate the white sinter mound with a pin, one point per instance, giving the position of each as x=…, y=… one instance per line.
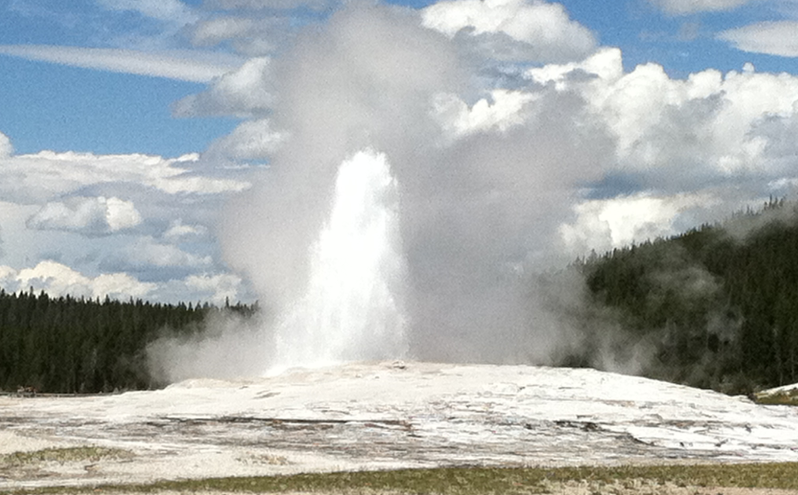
x=389, y=415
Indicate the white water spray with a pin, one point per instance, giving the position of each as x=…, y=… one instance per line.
x=351, y=310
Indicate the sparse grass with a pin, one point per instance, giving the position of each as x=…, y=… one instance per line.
x=789, y=398
x=479, y=481
x=70, y=454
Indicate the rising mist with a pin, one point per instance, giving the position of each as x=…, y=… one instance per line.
x=435, y=258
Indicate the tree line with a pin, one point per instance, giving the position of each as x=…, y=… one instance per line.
x=79, y=345
x=715, y=307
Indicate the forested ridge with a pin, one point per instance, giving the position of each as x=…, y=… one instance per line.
x=715, y=307
x=69, y=344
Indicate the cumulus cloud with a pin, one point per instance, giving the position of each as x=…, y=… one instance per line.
x=773, y=38
x=178, y=230
x=251, y=140
x=687, y=150
x=243, y=93
x=501, y=111
x=60, y=280
x=146, y=252
x=685, y=7
x=513, y=29
x=39, y=177
x=607, y=64
x=92, y=216
x=604, y=224
x=214, y=287
x=89, y=211
x=678, y=135
x=220, y=287
x=192, y=66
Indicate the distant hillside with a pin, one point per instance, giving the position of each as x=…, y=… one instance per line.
x=82, y=345
x=716, y=307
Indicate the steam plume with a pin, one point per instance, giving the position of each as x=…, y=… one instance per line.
x=452, y=281
x=351, y=310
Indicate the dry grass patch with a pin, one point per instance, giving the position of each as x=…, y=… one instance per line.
x=62, y=455
x=484, y=481
x=47, y=463
x=788, y=398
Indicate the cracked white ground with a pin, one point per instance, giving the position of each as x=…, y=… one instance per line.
x=391, y=415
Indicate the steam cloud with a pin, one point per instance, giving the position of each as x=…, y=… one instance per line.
x=487, y=168
x=473, y=213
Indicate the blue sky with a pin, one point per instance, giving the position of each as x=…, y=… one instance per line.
x=58, y=107
x=128, y=128
x=61, y=108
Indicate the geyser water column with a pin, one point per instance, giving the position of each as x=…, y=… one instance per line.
x=352, y=306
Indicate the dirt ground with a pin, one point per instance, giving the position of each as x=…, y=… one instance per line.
x=644, y=487
x=628, y=487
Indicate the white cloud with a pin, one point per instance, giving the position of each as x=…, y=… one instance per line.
x=193, y=66
x=778, y=134
x=605, y=224
x=45, y=175
x=500, y=113
x=214, y=31
x=680, y=134
x=772, y=38
x=606, y=64
x=545, y=28
x=686, y=150
x=242, y=93
x=200, y=185
x=6, y=148
x=57, y=279
x=162, y=22
x=93, y=216
x=177, y=230
x=255, y=36
x=8, y=278
x=79, y=209
x=120, y=214
x=120, y=286
x=60, y=280
x=269, y=4
x=251, y=140
x=218, y=288
x=172, y=11
x=685, y=7
x=146, y=251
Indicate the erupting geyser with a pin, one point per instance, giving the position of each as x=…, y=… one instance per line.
x=352, y=307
